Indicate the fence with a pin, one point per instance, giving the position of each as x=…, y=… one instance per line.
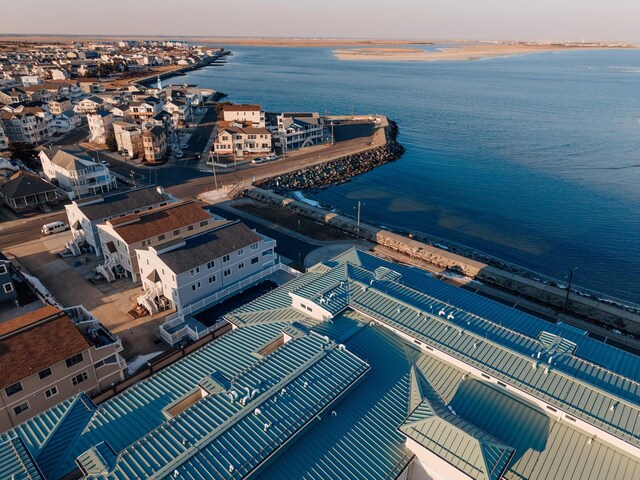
x=160, y=364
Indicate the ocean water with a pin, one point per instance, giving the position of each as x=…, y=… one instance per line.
x=534, y=159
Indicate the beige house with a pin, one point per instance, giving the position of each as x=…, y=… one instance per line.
x=121, y=237
x=49, y=355
x=129, y=138
x=244, y=113
x=240, y=139
x=154, y=141
x=59, y=105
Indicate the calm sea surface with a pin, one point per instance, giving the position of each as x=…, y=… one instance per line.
x=534, y=159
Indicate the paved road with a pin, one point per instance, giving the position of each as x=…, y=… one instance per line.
x=21, y=231
x=79, y=135
x=202, y=132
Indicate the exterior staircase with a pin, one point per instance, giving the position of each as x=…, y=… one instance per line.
x=106, y=270
x=148, y=300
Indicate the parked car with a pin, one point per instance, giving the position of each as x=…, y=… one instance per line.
x=54, y=227
x=271, y=157
x=184, y=146
x=258, y=160
x=104, y=163
x=178, y=154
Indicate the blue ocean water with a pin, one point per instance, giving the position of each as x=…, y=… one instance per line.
x=534, y=159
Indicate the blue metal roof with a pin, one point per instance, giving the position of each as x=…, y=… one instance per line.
x=289, y=387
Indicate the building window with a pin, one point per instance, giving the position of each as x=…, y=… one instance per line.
x=226, y=258
x=241, y=252
x=78, y=379
x=160, y=238
x=190, y=227
x=107, y=361
x=8, y=287
x=51, y=392
x=3, y=268
x=254, y=260
x=176, y=233
x=13, y=389
x=254, y=246
x=44, y=373
x=210, y=265
x=212, y=279
x=204, y=224
x=71, y=361
x=240, y=265
x=23, y=407
x=227, y=272
x=194, y=271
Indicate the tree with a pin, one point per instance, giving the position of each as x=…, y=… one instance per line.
x=111, y=142
x=25, y=153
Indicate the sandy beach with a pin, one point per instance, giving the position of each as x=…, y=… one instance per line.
x=457, y=53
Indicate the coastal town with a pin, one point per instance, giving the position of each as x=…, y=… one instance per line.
x=172, y=305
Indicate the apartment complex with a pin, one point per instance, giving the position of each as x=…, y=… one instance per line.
x=49, y=355
x=85, y=215
x=75, y=171
x=121, y=237
x=293, y=130
x=129, y=138
x=100, y=126
x=183, y=271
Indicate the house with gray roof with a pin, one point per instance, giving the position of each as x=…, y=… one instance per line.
x=76, y=171
x=25, y=192
x=204, y=268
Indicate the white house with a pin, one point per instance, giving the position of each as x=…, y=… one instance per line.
x=100, y=126
x=244, y=113
x=65, y=122
x=239, y=140
x=121, y=237
x=4, y=142
x=182, y=272
x=293, y=130
x=85, y=215
x=75, y=171
x=89, y=105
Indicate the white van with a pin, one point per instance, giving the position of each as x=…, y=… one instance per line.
x=54, y=227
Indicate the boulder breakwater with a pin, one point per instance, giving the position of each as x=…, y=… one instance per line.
x=339, y=170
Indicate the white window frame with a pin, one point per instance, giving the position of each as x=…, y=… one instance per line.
x=10, y=289
x=52, y=394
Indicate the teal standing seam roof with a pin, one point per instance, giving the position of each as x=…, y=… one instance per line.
x=16, y=462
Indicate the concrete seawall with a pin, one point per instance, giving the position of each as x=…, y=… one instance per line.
x=601, y=312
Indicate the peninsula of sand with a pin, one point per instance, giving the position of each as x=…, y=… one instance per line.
x=463, y=51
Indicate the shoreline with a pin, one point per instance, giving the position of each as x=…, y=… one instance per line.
x=463, y=52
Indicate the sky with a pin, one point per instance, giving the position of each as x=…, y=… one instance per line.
x=415, y=19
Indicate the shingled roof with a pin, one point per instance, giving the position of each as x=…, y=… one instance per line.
x=24, y=184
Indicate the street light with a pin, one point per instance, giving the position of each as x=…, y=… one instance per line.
x=359, y=209
x=566, y=300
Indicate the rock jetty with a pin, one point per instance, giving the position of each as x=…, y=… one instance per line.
x=339, y=170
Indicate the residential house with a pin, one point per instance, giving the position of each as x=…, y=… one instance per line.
x=85, y=215
x=65, y=122
x=13, y=95
x=178, y=109
x=183, y=271
x=26, y=191
x=4, y=142
x=75, y=171
x=129, y=138
x=59, y=105
x=100, y=126
x=120, y=112
x=240, y=139
x=28, y=80
x=121, y=237
x=89, y=105
x=7, y=285
x=24, y=126
x=154, y=140
x=295, y=130
x=146, y=109
x=58, y=74
x=50, y=355
x=244, y=113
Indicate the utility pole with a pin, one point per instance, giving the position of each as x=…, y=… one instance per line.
x=566, y=300
x=215, y=178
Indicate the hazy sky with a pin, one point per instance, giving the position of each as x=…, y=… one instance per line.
x=426, y=19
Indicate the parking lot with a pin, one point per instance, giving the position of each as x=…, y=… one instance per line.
x=68, y=279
